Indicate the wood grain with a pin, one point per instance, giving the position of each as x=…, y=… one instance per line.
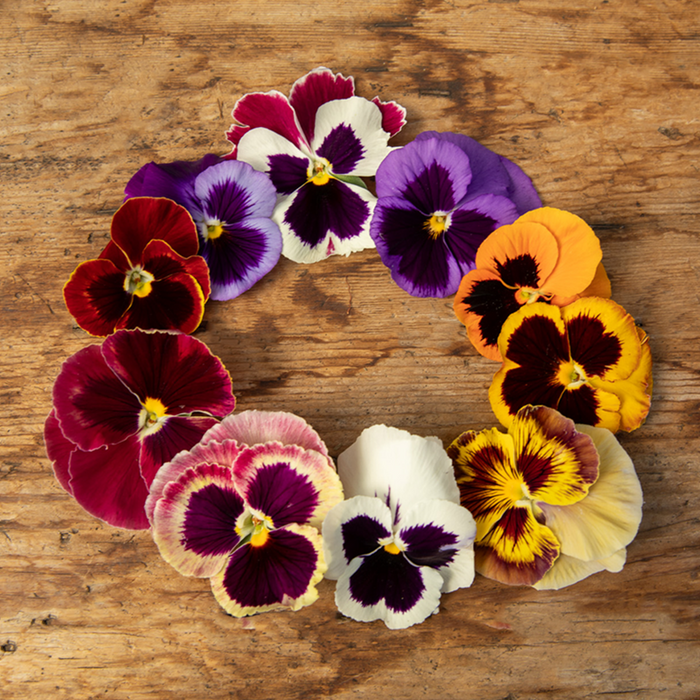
x=597, y=100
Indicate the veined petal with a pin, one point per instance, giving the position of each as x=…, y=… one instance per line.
x=398, y=468
x=95, y=296
x=194, y=522
x=256, y=427
x=440, y=534
x=143, y=219
x=393, y=116
x=579, y=250
x=322, y=220
x=518, y=550
x=175, y=368
x=287, y=483
x=259, y=146
x=385, y=586
x=488, y=480
x=314, y=89
x=349, y=134
x=59, y=450
x=354, y=528
x=221, y=453
x=607, y=520
x=557, y=463
x=162, y=262
x=176, y=433
x=591, y=404
x=270, y=110
x=92, y=406
x=107, y=482
x=280, y=574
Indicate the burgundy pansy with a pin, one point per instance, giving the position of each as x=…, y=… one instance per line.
x=123, y=408
x=148, y=276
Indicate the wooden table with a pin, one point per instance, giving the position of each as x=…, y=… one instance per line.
x=596, y=99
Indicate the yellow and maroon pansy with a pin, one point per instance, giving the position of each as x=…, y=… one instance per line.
x=587, y=359
x=553, y=502
x=546, y=255
x=148, y=276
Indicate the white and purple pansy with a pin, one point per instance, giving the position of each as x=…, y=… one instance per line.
x=401, y=539
x=247, y=517
x=439, y=197
x=316, y=146
x=231, y=204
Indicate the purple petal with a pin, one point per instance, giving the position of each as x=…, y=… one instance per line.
x=92, y=406
x=429, y=545
x=361, y=536
x=521, y=192
x=314, y=89
x=342, y=149
x=287, y=172
x=433, y=175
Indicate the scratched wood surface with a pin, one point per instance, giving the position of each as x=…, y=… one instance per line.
x=596, y=99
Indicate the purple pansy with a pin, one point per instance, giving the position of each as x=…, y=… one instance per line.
x=316, y=146
x=231, y=204
x=246, y=514
x=122, y=409
x=439, y=197
x=401, y=539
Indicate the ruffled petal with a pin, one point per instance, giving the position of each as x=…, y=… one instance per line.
x=194, y=522
x=354, y=528
x=287, y=483
x=569, y=570
x=398, y=468
x=608, y=519
x=280, y=574
x=386, y=586
x=393, y=116
x=59, y=450
x=92, y=406
x=256, y=427
x=175, y=368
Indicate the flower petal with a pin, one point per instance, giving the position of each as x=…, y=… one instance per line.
x=568, y=570
x=398, y=468
x=354, y=528
x=260, y=147
x=385, y=586
x=608, y=518
x=255, y=427
x=194, y=522
x=92, y=406
x=281, y=574
x=393, y=116
x=59, y=450
x=287, y=483
x=175, y=368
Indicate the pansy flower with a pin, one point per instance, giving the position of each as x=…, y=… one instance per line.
x=122, y=409
x=231, y=205
x=316, y=146
x=547, y=255
x=401, y=539
x=148, y=276
x=587, y=359
x=553, y=502
x=247, y=516
x=439, y=198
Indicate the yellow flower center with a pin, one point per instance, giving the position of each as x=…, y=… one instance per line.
x=571, y=375
x=214, y=231
x=436, y=225
x=319, y=171
x=257, y=527
x=528, y=295
x=138, y=282
x=152, y=414
x=392, y=548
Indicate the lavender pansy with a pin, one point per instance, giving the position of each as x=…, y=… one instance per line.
x=402, y=538
x=316, y=146
x=231, y=204
x=247, y=516
x=439, y=197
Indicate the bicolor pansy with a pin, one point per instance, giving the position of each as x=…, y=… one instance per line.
x=401, y=539
x=587, y=359
x=546, y=255
x=316, y=146
x=553, y=502
x=439, y=197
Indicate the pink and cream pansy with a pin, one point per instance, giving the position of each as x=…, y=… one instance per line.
x=553, y=502
x=246, y=514
x=316, y=146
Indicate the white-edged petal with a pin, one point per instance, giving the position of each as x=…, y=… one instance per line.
x=258, y=144
x=397, y=467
